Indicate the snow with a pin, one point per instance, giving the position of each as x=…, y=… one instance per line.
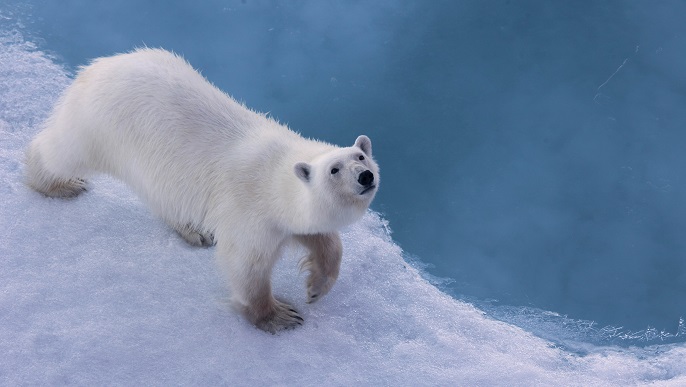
x=97, y=291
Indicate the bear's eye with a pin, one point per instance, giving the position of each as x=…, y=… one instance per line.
x=334, y=171
x=361, y=158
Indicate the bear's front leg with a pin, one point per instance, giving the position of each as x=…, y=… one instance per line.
x=250, y=280
x=270, y=314
x=323, y=262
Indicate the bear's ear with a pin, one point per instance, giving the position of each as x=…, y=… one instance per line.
x=363, y=142
x=302, y=170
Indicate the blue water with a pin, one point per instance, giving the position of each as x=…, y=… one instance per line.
x=532, y=152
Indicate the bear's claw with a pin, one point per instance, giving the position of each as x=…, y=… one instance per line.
x=281, y=318
x=317, y=286
x=195, y=237
x=60, y=188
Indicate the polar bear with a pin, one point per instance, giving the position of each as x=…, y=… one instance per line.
x=214, y=170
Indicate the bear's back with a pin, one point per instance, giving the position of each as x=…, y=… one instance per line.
x=150, y=119
x=158, y=90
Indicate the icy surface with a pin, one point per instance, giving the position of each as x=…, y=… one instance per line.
x=97, y=291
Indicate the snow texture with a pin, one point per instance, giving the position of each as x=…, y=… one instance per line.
x=97, y=291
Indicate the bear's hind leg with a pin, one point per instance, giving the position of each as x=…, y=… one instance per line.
x=47, y=182
x=194, y=236
x=323, y=262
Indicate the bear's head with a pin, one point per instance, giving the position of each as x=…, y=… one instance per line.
x=341, y=182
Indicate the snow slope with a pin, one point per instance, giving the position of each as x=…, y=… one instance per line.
x=97, y=291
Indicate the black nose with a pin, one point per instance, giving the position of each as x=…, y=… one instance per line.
x=366, y=178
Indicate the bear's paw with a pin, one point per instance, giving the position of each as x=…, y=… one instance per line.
x=195, y=237
x=318, y=285
x=282, y=317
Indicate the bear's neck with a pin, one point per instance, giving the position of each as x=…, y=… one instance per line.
x=300, y=213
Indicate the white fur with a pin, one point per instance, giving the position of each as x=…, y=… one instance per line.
x=207, y=165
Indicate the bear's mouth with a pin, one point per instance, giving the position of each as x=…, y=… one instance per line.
x=364, y=191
